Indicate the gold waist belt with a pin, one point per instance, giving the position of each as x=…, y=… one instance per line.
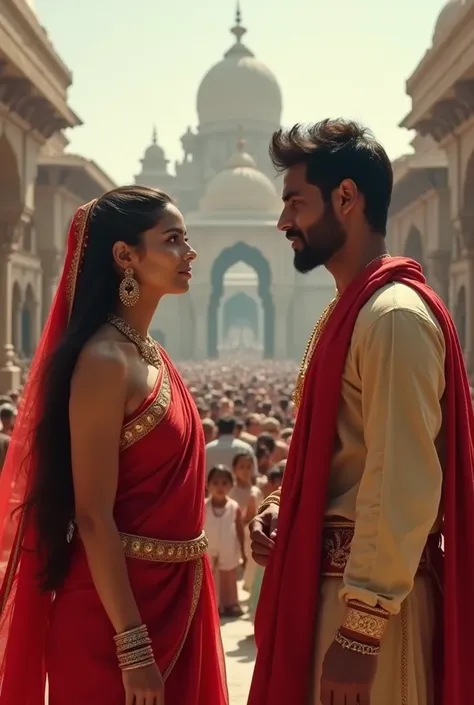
x=164, y=551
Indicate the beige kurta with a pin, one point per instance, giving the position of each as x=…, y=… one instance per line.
x=386, y=476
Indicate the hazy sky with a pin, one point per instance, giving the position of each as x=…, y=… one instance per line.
x=139, y=62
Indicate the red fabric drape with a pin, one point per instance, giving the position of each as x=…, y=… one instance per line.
x=285, y=620
x=24, y=609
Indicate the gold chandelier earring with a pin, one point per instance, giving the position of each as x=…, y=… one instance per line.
x=129, y=290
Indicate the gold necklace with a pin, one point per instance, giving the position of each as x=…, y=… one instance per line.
x=149, y=348
x=314, y=339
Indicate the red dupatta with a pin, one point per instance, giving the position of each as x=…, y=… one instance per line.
x=24, y=609
x=288, y=603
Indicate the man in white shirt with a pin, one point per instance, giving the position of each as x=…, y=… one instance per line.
x=223, y=450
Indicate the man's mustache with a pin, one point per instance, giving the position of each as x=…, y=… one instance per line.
x=295, y=234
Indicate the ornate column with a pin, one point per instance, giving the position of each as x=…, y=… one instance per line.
x=51, y=265
x=200, y=299
x=10, y=373
x=466, y=223
x=17, y=323
x=438, y=272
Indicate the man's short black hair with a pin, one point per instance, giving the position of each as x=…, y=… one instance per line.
x=334, y=150
x=226, y=426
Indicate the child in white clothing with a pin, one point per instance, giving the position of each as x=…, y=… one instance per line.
x=225, y=531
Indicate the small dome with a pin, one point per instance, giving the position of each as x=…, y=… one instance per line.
x=154, y=154
x=241, y=187
x=239, y=88
x=446, y=19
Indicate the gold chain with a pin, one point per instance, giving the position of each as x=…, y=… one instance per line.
x=314, y=339
x=149, y=348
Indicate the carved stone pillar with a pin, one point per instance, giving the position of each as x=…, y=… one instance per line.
x=438, y=272
x=10, y=373
x=466, y=227
x=51, y=262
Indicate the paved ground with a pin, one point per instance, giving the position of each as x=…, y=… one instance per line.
x=239, y=647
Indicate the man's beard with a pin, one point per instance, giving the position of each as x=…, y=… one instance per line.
x=320, y=242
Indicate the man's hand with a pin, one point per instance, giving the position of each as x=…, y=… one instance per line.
x=263, y=531
x=347, y=677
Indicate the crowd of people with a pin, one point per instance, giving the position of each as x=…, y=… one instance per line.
x=247, y=416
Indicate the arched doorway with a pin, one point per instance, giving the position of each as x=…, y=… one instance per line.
x=239, y=320
x=414, y=247
x=460, y=316
x=241, y=252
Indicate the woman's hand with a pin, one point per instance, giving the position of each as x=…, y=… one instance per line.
x=144, y=686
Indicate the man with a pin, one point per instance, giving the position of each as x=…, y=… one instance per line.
x=381, y=459
x=223, y=450
x=7, y=418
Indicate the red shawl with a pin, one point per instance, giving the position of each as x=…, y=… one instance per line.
x=288, y=603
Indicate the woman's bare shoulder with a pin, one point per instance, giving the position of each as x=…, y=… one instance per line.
x=102, y=360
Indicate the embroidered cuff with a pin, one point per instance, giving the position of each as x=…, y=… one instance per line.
x=268, y=501
x=363, y=622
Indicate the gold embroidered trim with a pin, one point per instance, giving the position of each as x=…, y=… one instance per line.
x=337, y=540
x=151, y=417
x=198, y=577
x=9, y=577
x=80, y=230
x=356, y=646
x=164, y=551
x=368, y=625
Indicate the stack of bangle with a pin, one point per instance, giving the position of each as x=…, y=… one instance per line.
x=268, y=501
x=134, y=649
x=362, y=628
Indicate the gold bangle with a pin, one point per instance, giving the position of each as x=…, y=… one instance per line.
x=364, y=622
x=132, y=639
x=136, y=656
x=356, y=646
x=135, y=666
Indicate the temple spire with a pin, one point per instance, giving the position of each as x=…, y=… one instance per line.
x=238, y=31
x=154, y=136
x=240, y=140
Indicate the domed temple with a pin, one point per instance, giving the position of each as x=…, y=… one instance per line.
x=245, y=296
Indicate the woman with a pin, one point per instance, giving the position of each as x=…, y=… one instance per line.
x=108, y=589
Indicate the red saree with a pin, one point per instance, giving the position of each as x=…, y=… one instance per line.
x=160, y=496
x=286, y=619
x=161, y=479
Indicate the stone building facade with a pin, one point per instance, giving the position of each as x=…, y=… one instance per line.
x=432, y=214
x=40, y=185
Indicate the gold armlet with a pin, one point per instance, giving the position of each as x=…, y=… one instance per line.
x=364, y=622
x=271, y=499
x=357, y=646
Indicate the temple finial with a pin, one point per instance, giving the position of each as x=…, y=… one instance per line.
x=240, y=140
x=238, y=31
x=154, y=136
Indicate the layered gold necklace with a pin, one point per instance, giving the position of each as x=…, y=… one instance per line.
x=314, y=339
x=148, y=348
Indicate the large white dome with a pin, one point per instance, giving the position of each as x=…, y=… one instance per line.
x=240, y=188
x=239, y=89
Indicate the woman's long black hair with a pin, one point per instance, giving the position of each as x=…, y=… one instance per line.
x=120, y=215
